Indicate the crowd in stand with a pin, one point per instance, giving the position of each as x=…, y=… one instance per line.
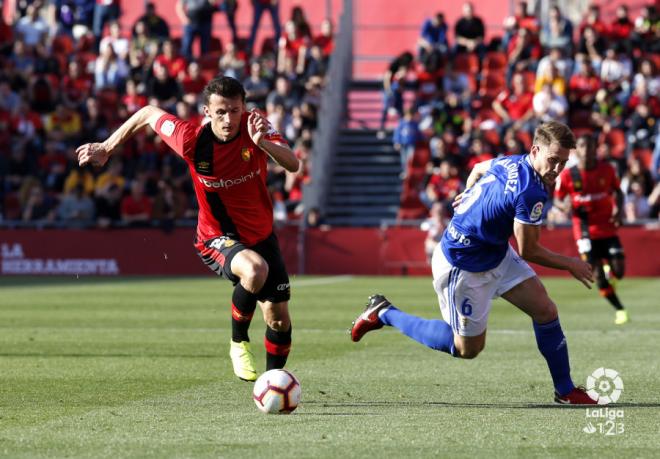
x=69, y=74
x=475, y=100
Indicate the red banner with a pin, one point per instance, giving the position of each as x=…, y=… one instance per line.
x=366, y=251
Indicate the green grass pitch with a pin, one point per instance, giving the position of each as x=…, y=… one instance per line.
x=139, y=368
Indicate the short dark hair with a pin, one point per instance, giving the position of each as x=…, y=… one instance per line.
x=223, y=86
x=589, y=139
x=554, y=132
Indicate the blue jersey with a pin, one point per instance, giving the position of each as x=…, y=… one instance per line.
x=477, y=237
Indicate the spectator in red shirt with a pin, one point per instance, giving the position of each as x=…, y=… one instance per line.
x=325, y=40
x=520, y=20
x=514, y=106
x=523, y=53
x=133, y=100
x=621, y=27
x=443, y=186
x=592, y=19
x=583, y=86
x=136, y=207
x=429, y=80
x=171, y=60
x=193, y=83
x=26, y=123
x=292, y=46
x=641, y=96
x=302, y=26
x=185, y=111
x=75, y=86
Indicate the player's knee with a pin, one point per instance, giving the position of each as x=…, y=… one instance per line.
x=468, y=353
x=547, y=312
x=280, y=325
x=618, y=269
x=256, y=273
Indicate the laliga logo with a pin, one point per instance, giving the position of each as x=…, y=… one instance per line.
x=604, y=385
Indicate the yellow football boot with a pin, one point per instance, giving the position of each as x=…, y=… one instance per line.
x=242, y=360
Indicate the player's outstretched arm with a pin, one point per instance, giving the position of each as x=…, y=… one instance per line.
x=258, y=129
x=530, y=249
x=97, y=154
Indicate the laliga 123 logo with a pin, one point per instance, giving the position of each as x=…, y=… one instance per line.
x=604, y=385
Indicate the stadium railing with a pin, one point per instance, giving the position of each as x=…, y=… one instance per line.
x=331, y=113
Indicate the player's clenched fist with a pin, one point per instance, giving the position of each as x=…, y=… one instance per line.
x=257, y=127
x=95, y=154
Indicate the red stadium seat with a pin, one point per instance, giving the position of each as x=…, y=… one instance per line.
x=645, y=155
x=492, y=84
x=655, y=58
x=215, y=45
x=616, y=139
x=495, y=60
x=530, y=80
x=582, y=131
x=525, y=137
x=12, y=207
x=421, y=156
x=487, y=113
x=268, y=46
x=492, y=137
x=580, y=119
x=63, y=44
x=209, y=61
x=467, y=63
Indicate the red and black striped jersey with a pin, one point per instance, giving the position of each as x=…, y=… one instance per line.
x=229, y=179
x=595, y=195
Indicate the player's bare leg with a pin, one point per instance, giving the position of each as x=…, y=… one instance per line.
x=252, y=270
x=278, y=333
x=531, y=297
x=468, y=347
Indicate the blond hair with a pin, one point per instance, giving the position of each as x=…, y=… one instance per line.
x=554, y=132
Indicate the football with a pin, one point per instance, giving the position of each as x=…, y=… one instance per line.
x=276, y=392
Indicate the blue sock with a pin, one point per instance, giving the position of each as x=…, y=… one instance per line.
x=552, y=343
x=436, y=334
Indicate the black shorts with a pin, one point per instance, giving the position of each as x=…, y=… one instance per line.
x=218, y=253
x=605, y=249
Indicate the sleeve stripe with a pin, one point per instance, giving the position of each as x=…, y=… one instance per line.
x=529, y=223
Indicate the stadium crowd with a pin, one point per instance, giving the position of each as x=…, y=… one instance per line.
x=69, y=74
x=475, y=100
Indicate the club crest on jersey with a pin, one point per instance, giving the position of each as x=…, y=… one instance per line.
x=537, y=210
x=246, y=153
x=229, y=242
x=203, y=167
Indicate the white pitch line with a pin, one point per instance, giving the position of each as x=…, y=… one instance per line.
x=321, y=281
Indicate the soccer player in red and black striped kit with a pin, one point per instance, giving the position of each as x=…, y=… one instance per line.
x=227, y=159
x=591, y=185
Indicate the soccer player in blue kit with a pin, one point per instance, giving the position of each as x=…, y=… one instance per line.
x=475, y=263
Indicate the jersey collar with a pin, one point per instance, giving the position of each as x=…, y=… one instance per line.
x=537, y=177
